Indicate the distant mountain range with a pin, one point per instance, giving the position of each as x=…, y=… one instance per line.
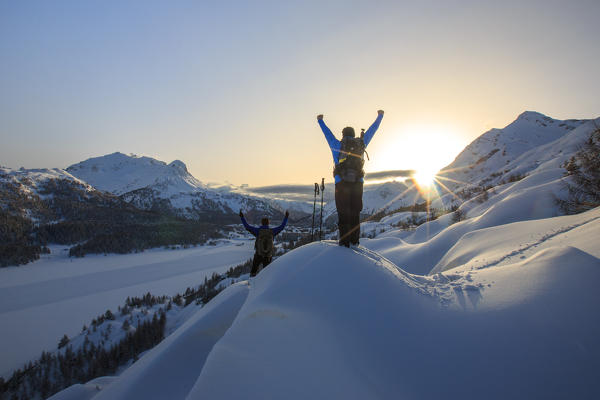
x=150, y=184
x=134, y=185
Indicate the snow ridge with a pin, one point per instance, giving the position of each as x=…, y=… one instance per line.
x=370, y=330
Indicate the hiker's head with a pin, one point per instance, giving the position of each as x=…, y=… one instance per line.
x=348, y=131
x=264, y=221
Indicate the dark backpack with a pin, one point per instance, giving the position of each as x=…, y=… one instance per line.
x=264, y=243
x=351, y=160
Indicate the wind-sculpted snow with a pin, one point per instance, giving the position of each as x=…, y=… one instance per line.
x=505, y=244
x=325, y=322
x=529, y=199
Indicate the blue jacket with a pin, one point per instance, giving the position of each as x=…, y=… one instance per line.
x=335, y=145
x=254, y=229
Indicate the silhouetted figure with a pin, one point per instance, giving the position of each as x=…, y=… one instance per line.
x=348, y=157
x=264, y=247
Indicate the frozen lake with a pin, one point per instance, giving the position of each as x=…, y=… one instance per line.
x=57, y=295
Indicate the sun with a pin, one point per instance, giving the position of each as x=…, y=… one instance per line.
x=424, y=148
x=424, y=177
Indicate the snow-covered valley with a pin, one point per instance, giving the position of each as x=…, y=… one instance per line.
x=57, y=295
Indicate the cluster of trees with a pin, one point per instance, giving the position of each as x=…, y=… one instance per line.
x=54, y=372
x=16, y=243
x=584, y=171
x=127, y=238
x=416, y=207
x=93, y=221
x=211, y=286
x=147, y=300
x=458, y=214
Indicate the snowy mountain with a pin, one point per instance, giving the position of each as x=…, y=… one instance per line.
x=148, y=183
x=31, y=181
x=118, y=173
x=530, y=197
x=496, y=155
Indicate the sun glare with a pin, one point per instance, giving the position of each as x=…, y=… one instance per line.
x=424, y=177
x=423, y=148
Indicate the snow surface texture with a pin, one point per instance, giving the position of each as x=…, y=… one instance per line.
x=42, y=301
x=327, y=322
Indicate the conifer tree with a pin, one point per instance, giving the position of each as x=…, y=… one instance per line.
x=584, y=170
x=63, y=341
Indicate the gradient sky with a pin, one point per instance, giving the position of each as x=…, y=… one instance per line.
x=233, y=88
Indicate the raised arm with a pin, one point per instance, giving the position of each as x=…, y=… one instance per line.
x=331, y=140
x=283, y=224
x=373, y=128
x=253, y=230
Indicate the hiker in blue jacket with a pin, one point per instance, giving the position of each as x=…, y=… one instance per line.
x=263, y=246
x=348, y=158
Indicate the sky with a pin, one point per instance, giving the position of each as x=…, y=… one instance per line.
x=233, y=88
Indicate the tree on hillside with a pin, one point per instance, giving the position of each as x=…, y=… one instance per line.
x=584, y=170
x=63, y=341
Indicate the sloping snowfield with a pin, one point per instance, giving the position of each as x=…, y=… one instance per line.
x=328, y=322
x=44, y=300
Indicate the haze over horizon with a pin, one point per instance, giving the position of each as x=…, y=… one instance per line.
x=233, y=89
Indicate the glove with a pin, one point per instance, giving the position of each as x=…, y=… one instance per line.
x=319, y=117
x=380, y=112
x=287, y=214
x=241, y=214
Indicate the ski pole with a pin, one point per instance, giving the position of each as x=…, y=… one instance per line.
x=321, y=223
x=312, y=229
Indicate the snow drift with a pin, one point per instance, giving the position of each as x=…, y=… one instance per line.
x=329, y=322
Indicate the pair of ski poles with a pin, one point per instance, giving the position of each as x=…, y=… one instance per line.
x=312, y=229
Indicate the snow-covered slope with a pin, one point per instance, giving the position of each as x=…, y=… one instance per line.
x=491, y=157
x=496, y=245
x=530, y=198
x=30, y=180
x=328, y=322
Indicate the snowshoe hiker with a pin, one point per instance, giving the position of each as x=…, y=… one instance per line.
x=263, y=246
x=348, y=158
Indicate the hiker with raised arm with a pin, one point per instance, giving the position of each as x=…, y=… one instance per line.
x=264, y=247
x=348, y=173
